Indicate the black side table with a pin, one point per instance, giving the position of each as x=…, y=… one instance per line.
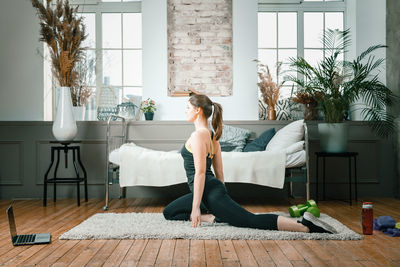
x=348, y=155
x=76, y=154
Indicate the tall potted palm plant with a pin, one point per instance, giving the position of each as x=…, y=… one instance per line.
x=335, y=84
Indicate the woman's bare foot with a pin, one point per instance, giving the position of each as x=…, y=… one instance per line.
x=207, y=218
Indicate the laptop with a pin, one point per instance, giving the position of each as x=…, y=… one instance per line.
x=30, y=239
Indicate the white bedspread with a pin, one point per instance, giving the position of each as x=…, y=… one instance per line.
x=143, y=166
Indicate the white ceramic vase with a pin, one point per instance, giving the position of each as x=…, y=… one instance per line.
x=64, y=125
x=333, y=137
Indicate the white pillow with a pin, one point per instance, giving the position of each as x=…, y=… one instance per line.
x=288, y=135
x=295, y=147
x=296, y=159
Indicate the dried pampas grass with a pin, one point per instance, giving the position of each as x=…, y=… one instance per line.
x=269, y=89
x=63, y=31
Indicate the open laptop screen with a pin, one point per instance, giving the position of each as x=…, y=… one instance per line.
x=11, y=221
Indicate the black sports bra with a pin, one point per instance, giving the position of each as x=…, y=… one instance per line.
x=212, y=146
x=188, y=163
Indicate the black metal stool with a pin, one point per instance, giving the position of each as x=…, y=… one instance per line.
x=65, y=146
x=348, y=155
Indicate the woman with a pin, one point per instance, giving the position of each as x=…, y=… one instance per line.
x=208, y=192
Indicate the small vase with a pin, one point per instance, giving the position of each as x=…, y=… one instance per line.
x=79, y=113
x=271, y=113
x=149, y=116
x=310, y=112
x=64, y=125
x=127, y=110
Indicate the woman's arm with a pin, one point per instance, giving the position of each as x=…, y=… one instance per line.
x=198, y=147
x=217, y=162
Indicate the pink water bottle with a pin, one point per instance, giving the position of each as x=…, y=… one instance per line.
x=367, y=217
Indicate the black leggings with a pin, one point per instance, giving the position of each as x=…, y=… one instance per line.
x=217, y=201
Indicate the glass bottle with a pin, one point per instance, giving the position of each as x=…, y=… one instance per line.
x=367, y=217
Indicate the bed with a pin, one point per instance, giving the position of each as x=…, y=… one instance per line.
x=296, y=165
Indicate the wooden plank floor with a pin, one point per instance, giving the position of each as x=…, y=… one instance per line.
x=56, y=218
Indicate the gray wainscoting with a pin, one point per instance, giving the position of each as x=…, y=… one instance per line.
x=25, y=157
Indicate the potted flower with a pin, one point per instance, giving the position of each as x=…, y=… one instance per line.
x=335, y=84
x=64, y=32
x=269, y=89
x=310, y=104
x=148, y=107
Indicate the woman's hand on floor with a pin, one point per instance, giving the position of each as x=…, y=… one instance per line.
x=196, y=217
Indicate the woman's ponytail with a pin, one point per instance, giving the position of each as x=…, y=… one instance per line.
x=205, y=103
x=217, y=120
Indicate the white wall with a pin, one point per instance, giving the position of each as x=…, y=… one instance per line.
x=370, y=29
x=21, y=67
x=243, y=104
x=371, y=26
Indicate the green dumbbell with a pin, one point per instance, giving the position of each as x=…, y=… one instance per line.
x=314, y=211
x=310, y=206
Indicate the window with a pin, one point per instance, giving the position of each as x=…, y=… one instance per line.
x=113, y=51
x=315, y=24
x=277, y=42
x=290, y=30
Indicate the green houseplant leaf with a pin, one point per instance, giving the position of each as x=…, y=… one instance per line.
x=336, y=83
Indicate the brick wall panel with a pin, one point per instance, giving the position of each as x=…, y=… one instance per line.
x=200, y=46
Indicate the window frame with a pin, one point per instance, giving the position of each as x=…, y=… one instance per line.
x=96, y=7
x=300, y=9
x=278, y=48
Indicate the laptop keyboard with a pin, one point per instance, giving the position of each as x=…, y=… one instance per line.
x=25, y=239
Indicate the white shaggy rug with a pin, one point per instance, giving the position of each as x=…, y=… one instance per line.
x=154, y=226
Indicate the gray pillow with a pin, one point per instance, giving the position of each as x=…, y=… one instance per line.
x=226, y=146
x=234, y=136
x=261, y=142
